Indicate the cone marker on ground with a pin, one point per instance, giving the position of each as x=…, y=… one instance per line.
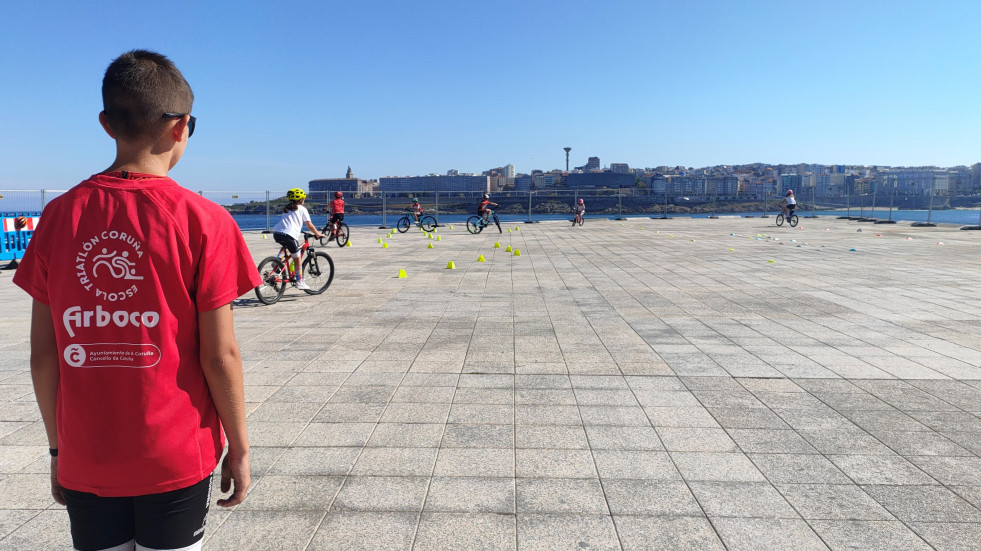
x=451, y=226
x=384, y=245
x=379, y=239
x=508, y=249
x=430, y=246
x=771, y=261
x=497, y=244
x=263, y=236
x=450, y=265
x=439, y=238
x=517, y=252
x=481, y=259
x=348, y=244
x=402, y=274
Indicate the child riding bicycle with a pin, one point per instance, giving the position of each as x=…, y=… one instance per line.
x=336, y=210
x=415, y=209
x=484, y=210
x=580, y=210
x=788, y=204
x=288, y=230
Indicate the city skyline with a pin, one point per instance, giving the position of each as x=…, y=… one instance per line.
x=287, y=94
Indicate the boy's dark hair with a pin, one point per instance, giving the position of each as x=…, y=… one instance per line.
x=138, y=88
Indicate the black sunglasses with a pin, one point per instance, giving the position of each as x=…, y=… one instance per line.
x=190, y=122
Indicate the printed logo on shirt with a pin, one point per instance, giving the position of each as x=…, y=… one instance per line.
x=112, y=355
x=108, y=264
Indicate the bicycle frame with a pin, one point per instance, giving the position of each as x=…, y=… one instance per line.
x=287, y=259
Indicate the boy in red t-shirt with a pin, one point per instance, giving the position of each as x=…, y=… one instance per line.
x=336, y=210
x=133, y=354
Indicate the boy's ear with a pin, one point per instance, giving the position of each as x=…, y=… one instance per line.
x=177, y=132
x=104, y=121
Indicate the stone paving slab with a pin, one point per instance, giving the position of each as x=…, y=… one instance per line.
x=645, y=384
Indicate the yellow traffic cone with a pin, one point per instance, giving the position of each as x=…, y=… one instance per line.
x=516, y=228
x=384, y=245
x=450, y=265
x=508, y=249
x=402, y=274
x=263, y=236
x=497, y=244
x=481, y=258
x=517, y=252
x=430, y=246
x=451, y=226
x=439, y=238
x=379, y=239
x=348, y=243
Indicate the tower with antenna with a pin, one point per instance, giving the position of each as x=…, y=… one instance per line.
x=567, y=150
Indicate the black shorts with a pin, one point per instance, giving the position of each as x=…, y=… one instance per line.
x=287, y=240
x=171, y=520
x=339, y=217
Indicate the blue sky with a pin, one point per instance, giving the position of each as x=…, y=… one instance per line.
x=289, y=92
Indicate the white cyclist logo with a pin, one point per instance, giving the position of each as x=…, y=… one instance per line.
x=118, y=264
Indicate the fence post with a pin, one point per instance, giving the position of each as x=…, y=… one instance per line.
x=267, y=211
x=529, y=220
x=384, y=198
x=437, y=208
x=43, y=202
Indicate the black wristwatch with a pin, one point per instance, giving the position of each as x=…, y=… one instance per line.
x=53, y=452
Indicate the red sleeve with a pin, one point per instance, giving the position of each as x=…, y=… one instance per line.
x=32, y=269
x=225, y=267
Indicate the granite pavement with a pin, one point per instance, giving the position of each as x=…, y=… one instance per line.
x=642, y=384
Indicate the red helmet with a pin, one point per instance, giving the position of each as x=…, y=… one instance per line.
x=338, y=194
x=580, y=201
x=790, y=192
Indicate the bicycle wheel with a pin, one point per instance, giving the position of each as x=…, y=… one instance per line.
x=272, y=271
x=343, y=233
x=324, y=232
x=780, y=219
x=793, y=220
x=428, y=223
x=473, y=225
x=498, y=222
x=318, y=272
x=403, y=225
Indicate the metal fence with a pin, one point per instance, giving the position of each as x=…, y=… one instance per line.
x=261, y=209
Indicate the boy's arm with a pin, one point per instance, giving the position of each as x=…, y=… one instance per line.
x=222, y=365
x=45, y=374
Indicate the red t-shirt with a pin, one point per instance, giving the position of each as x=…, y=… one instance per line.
x=337, y=206
x=125, y=266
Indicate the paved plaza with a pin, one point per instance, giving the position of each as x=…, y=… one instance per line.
x=646, y=384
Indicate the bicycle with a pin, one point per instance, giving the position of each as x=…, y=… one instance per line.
x=791, y=218
x=476, y=224
x=578, y=219
x=427, y=223
x=339, y=232
x=277, y=271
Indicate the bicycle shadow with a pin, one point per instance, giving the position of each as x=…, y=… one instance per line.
x=254, y=303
